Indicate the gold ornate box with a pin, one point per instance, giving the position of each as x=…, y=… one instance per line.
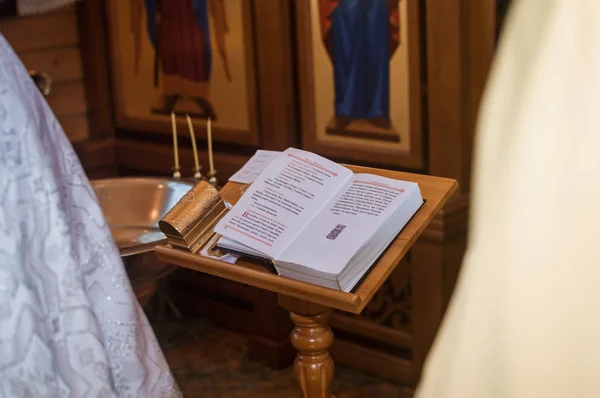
x=189, y=224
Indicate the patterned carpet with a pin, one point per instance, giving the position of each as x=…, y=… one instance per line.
x=209, y=362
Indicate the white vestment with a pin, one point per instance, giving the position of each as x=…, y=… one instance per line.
x=523, y=321
x=70, y=325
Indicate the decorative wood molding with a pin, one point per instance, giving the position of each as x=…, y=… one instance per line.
x=460, y=47
x=371, y=330
x=40, y=32
x=275, y=68
x=157, y=159
x=451, y=222
x=97, y=157
x=93, y=44
x=373, y=361
x=478, y=48
x=161, y=126
x=444, y=63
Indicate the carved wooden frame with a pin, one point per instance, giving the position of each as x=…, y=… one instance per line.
x=227, y=135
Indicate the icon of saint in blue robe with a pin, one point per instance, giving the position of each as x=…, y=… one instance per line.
x=361, y=37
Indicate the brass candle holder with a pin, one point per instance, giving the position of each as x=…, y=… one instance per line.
x=176, y=173
x=212, y=179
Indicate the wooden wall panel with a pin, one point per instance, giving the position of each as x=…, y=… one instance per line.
x=278, y=115
x=53, y=30
x=157, y=159
x=97, y=157
x=444, y=82
x=50, y=43
x=62, y=63
x=93, y=44
x=78, y=127
x=479, y=45
x=68, y=99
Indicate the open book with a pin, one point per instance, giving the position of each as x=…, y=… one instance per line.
x=316, y=220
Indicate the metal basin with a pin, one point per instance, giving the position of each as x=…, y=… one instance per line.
x=132, y=207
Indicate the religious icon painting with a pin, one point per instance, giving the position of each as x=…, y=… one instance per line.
x=360, y=79
x=191, y=57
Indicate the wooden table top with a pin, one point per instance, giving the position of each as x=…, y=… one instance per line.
x=435, y=190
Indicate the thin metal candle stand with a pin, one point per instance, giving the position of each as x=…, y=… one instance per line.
x=211, y=174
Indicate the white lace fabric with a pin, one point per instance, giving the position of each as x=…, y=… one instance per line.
x=70, y=325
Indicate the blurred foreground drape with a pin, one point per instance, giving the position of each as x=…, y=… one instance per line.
x=70, y=325
x=522, y=322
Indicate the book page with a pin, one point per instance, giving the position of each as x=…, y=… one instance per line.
x=282, y=201
x=254, y=167
x=348, y=221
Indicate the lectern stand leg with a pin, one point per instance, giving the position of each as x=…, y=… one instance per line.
x=312, y=337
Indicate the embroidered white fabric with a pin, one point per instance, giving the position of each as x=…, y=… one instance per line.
x=70, y=325
x=32, y=7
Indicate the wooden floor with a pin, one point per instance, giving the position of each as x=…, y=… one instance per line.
x=209, y=362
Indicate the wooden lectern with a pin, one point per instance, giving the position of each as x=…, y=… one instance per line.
x=310, y=306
